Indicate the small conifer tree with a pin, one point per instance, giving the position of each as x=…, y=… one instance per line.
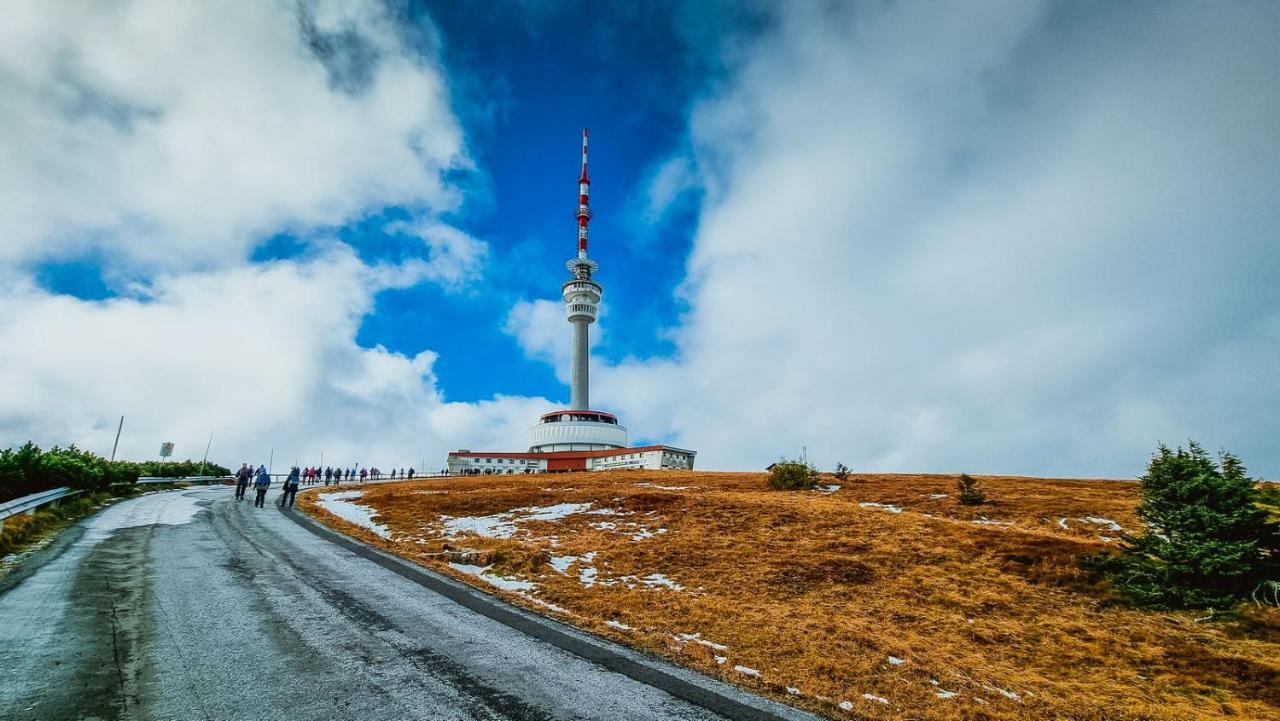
x=788, y=475
x=841, y=473
x=1206, y=541
x=971, y=493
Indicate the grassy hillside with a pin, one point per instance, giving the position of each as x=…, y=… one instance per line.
x=883, y=599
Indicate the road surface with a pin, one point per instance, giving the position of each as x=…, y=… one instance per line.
x=191, y=605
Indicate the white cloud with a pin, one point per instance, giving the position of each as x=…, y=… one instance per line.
x=263, y=357
x=932, y=240
x=178, y=135
x=169, y=139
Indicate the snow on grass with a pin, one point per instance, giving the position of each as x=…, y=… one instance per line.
x=340, y=504
x=1007, y=694
x=1062, y=523
x=562, y=563
x=548, y=605
x=886, y=506
x=697, y=638
x=587, y=576
x=618, y=625
x=846, y=705
x=721, y=660
x=794, y=691
x=482, y=573
x=747, y=671
x=943, y=693
x=1100, y=521
x=984, y=521
x=828, y=489
x=936, y=496
x=656, y=580
x=877, y=699
x=664, y=488
x=503, y=525
x=895, y=661
x=644, y=533
x=605, y=525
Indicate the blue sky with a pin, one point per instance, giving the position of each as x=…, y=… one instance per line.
x=1002, y=236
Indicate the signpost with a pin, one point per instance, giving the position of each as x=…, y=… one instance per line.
x=166, y=449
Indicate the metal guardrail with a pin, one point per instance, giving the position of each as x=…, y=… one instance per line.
x=30, y=503
x=184, y=479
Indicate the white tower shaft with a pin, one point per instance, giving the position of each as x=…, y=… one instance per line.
x=581, y=295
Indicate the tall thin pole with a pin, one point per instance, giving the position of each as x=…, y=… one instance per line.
x=116, y=445
x=207, y=446
x=271, y=460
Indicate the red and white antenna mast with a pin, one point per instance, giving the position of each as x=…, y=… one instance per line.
x=584, y=209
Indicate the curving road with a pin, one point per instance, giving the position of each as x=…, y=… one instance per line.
x=191, y=605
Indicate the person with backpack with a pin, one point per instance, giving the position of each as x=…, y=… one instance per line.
x=260, y=486
x=290, y=487
x=243, y=476
x=328, y=475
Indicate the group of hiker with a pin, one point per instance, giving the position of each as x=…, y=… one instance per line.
x=261, y=480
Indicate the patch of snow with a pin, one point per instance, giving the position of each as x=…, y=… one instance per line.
x=1062, y=523
x=340, y=504
x=794, y=691
x=618, y=625
x=1007, y=694
x=984, y=521
x=747, y=671
x=1100, y=521
x=503, y=525
x=562, y=563
x=664, y=488
x=846, y=705
x=943, y=693
x=605, y=525
x=697, y=638
x=552, y=513
x=895, y=661
x=495, y=526
x=587, y=576
x=168, y=508
x=886, y=506
x=548, y=605
x=828, y=489
x=721, y=659
x=877, y=699
x=936, y=496
x=654, y=580
x=506, y=584
x=644, y=533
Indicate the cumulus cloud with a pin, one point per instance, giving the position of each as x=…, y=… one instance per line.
x=178, y=135
x=261, y=356
x=998, y=237
x=170, y=139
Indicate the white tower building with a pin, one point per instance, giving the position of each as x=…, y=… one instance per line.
x=576, y=438
x=579, y=428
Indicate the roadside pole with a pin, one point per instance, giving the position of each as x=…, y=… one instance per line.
x=116, y=445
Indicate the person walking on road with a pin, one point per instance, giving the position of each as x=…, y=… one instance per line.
x=328, y=475
x=363, y=475
x=260, y=486
x=243, y=476
x=290, y=488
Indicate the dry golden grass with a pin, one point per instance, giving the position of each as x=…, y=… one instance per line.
x=817, y=591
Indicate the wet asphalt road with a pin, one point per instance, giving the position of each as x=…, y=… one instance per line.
x=191, y=605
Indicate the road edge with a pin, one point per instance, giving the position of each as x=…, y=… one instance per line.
x=687, y=684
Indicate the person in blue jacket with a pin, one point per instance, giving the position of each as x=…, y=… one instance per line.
x=290, y=488
x=261, y=485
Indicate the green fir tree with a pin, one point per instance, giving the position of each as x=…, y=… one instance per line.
x=1206, y=542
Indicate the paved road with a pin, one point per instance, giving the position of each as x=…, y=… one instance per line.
x=191, y=605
